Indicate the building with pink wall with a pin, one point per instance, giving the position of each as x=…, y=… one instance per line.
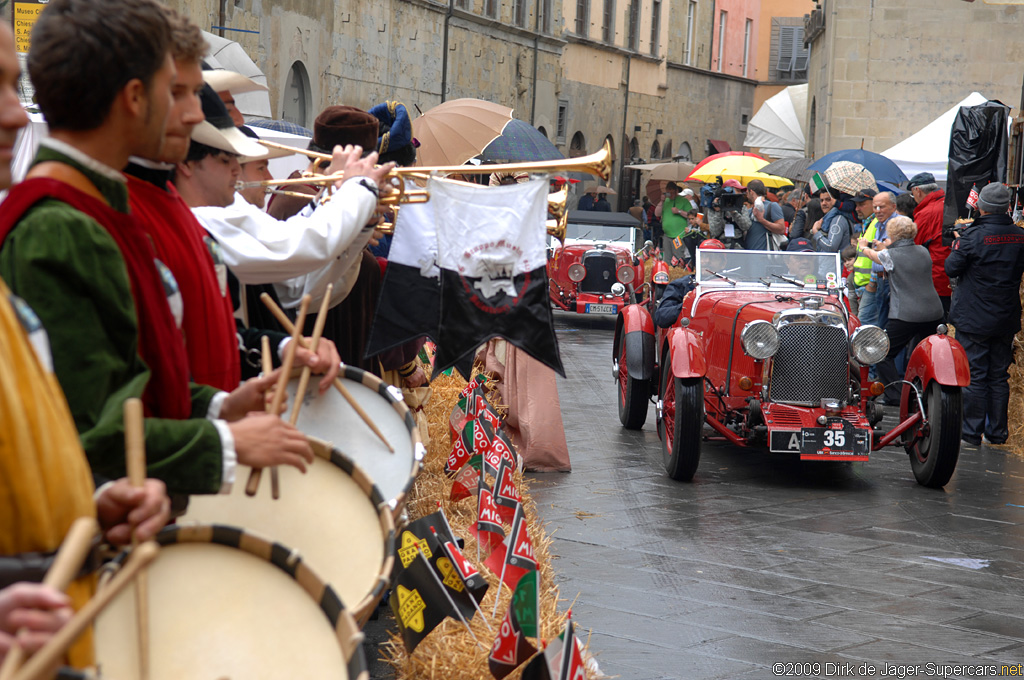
x=737, y=52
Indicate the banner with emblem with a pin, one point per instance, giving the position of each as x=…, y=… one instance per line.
x=419, y=602
x=418, y=537
x=467, y=480
x=518, y=553
x=471, y=577
x=492, y=255
x=562, y=659
x=506, y=494
x=488, y=528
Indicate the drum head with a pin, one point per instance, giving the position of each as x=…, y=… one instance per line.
x=218, y=611
x=330, y=417
x=333, y=516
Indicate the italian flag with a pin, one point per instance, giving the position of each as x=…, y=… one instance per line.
x=817, y=183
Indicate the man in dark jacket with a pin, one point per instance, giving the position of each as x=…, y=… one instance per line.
x=928, y=217
x=988, y=258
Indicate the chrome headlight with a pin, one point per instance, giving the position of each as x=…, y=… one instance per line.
x=869, y=344
x=576, y=272
x=618, y=290
x=760, y=339
x=625, y=274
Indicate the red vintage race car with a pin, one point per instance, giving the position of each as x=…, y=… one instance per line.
x=596, y=269
x=764, y=352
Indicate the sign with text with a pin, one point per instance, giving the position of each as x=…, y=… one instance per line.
x=25, y=13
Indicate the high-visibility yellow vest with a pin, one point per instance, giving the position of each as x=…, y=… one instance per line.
x=862, y=267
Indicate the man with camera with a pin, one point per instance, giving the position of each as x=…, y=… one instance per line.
x=726, y=219
x=988, y=258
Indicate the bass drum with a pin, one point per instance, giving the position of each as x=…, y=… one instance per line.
x=224, y=603
x=333, y=516
x=330, y=418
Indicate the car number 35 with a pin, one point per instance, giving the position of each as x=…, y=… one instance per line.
x=834, y=438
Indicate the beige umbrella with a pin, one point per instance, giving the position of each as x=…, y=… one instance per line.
x=669, y=172
x=455, y=131
x=605, y=190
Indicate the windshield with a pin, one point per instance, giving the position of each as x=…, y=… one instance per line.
x=600, y=232
x=727, y=267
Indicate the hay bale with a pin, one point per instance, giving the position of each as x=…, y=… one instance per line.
x=1015, y=413
x=449, y=652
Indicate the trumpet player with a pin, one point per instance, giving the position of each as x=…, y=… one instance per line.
x=304, y=253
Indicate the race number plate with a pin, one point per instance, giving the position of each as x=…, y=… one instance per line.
x=600, y=309
x=838, y=439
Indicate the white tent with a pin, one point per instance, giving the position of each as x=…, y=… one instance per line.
x=777, y=129
x=927, y=150
x=228, y=54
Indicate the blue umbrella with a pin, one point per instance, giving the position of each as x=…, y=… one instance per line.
x=520, y=142
x=281, y=126
x=879, y=166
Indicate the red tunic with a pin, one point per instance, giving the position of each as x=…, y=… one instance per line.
x=209, y=325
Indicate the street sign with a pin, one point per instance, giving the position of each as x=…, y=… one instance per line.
x=24, y=15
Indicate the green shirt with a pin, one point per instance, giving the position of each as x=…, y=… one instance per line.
x=675, y=225
x=71, y=272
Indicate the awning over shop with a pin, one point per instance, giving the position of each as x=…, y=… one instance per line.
x=718, y=146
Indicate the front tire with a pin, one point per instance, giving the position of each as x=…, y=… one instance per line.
x=933, y=457
x=681, y=424
x=633, y=394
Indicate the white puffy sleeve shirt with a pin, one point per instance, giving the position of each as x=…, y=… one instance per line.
x=299, y=255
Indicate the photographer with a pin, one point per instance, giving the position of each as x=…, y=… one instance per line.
x=726, y=219
x=768, y=222
x=989, y=259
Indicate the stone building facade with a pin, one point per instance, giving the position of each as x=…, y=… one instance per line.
x=641, y=74
x=881, y=70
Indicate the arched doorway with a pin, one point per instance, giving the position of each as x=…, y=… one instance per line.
x=297, y=98
x=578, y=145
x=684, y=152
x=655, y=150
x=541, y=130
x=666, y=151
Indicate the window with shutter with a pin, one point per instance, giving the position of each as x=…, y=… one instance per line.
x=787, y=44
x=800, y=51
x=583, y=17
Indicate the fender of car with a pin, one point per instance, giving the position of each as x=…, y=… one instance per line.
x=635, y=329
x=686, y=352
x=939, y=358
x=600, y=250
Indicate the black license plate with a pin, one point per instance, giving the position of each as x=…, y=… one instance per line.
x=837, y=439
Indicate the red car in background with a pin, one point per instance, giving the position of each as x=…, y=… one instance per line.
x=599, y=267
x=764, y=353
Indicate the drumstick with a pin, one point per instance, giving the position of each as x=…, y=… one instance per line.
x=282, y=382
x=268, y=367
x=135, y=462
x=286, y=322
x=65, y=565
x=314, y=342
x=42, y=662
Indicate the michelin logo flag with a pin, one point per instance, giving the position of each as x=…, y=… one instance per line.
x=492, y=255
x=410, y=298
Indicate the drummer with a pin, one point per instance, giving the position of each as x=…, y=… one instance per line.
x=45, y=481
x=71, y=248
x=211, y=336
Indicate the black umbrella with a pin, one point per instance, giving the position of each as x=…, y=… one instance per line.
x=790, y=168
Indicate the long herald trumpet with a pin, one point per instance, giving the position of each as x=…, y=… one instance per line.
x=598, y=164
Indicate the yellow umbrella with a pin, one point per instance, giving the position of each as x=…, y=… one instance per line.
x=740, y=168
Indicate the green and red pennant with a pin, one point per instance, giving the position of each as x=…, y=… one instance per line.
x=510, y=648
x=467, y=480
x=517, y=558
x=488, y=529
x=562, y=659
x=506, y=495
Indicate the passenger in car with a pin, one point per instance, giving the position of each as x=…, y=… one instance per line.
x=671, y=303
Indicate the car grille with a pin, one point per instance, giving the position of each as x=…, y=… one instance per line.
x=812, y=364
x=600, y=273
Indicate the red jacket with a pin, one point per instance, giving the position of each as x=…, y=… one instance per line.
x=928, y=216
